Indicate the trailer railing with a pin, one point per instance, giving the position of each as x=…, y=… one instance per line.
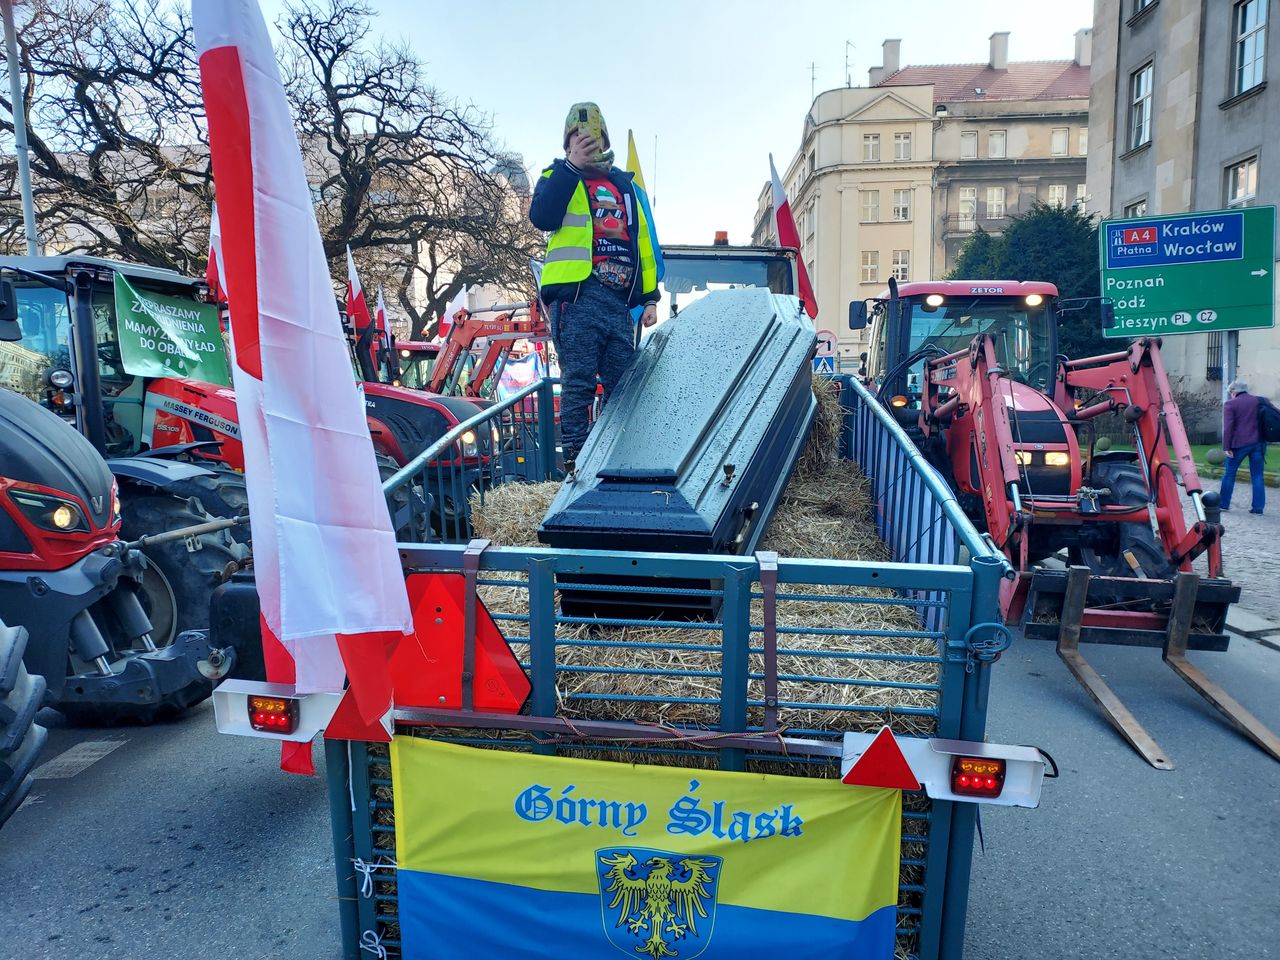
x=909, y=643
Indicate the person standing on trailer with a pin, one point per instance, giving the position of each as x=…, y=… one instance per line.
x=1241, y=441
x=600, y=263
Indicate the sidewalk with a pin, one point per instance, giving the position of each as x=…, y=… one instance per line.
x=1251, y=556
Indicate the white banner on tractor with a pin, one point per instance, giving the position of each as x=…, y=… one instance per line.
x=328, y=573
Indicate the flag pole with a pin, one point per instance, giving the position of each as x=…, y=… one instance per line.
x=19, y=129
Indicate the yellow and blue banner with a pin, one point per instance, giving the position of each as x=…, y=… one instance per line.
x=642, y=196
x=552, y=858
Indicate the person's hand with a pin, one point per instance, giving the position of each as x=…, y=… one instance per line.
x=650, y=315
x=1226, y=453
x=583, y=149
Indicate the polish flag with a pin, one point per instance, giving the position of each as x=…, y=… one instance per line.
x=357, y=306
x=789, y=236
x=213, y=272
x=315, y=498
x=459, y=302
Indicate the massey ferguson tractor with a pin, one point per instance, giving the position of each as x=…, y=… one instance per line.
x=971, y=371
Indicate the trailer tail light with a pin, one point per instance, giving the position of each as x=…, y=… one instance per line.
x=273, y=714
x=977, y=776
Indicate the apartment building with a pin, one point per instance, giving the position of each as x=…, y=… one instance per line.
x=1181, y=120
x=890, y=179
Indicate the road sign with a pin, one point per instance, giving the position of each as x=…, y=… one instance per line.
x=826, y=343
x=824, y=365
x=1190, y=272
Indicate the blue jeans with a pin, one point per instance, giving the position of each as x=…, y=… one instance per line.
x=1255, y=453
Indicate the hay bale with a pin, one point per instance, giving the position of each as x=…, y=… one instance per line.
x=825, y=512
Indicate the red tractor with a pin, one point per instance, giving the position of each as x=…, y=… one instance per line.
x=971, y=371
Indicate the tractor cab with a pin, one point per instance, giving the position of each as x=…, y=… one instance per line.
x=915, y=321
x=415, y=360
x=97, y=333
x=694, y=271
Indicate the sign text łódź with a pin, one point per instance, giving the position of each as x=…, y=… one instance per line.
x=1189, y=273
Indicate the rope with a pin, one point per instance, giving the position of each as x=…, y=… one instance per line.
x=371, y=940
x=366, y=871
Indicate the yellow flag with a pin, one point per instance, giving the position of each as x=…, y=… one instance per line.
x=633, y=162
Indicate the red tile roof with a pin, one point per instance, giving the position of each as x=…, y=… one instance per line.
x=1042, y=80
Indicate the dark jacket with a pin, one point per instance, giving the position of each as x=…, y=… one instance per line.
x=551, y=199
x=1240, y=421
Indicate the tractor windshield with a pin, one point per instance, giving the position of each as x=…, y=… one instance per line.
x=1023, y=334
x=44, y=320
x=415, y=368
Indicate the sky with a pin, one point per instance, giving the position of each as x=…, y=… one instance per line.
x=719, y=83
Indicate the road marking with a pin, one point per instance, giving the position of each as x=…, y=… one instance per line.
x=76, y=760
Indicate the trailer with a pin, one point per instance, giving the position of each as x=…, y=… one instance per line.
x=942, y=569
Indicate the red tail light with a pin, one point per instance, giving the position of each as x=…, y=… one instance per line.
x=273, y=714
x=977, y=777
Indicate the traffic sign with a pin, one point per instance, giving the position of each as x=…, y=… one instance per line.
x=824, y=365
x=1189, y=272
x=826, y=343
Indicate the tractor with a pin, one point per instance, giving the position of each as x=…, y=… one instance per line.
x=1096, y=535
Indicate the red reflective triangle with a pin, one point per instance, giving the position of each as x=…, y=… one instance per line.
x=882, y=765
x=426, y=670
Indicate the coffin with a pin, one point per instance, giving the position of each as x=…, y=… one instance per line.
x=695, y=447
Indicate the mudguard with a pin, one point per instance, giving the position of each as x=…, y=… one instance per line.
x=155, y=471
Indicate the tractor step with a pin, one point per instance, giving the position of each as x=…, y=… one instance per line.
x=1183, y=612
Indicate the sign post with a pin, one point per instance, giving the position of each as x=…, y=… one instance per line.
x=1189, y=273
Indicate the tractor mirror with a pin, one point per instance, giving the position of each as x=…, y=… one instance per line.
x=857, y=314
x=1108, y=311
x=9, y=329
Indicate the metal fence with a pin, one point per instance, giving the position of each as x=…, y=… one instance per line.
x=800, y=651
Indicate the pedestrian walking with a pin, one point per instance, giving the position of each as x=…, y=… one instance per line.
x=600, y=263
x=1242, y=440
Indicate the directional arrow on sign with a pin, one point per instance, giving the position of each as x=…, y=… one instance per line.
x=1258, y=273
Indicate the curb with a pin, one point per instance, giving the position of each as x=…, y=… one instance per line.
x=1254, y=627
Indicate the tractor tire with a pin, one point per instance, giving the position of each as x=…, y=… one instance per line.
x=179, y=580
x=415, y=529
x=21, y=738
x=1129, y=489
x=222, y=494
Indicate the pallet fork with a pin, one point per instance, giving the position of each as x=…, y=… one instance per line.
x=1186, y=586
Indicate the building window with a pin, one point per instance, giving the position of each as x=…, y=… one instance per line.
x=870, y=205
x=1213, y=356
x=811, y=219
x=1058, y=141
x=1136, y=209
x=871, y=147
x=1140, y=5
x=1242, y=183
x=902, y=146
x=1081, y=196
x=968, y=207
x=902, y=204
x=969, y=145
x=995, y=203
x=1140, y=106
x=1251, y=42
x=813, y=162
x=870, y=266
x=996, y=145
x=1057, y=194
x=902, y=265
x=1083, y=146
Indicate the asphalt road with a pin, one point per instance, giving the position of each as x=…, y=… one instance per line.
x=181, y=843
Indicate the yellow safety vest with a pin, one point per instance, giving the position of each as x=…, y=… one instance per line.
x=569, y=250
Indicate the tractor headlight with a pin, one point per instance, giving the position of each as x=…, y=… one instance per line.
x=1023, y=457
x=49, y=512
x=60, y=379
x=469, y=448
x=115, y=505
x=1057, y=458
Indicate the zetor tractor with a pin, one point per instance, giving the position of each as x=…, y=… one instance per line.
x=971, y=370
x=78, y=634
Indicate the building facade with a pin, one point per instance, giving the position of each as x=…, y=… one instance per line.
x=892, y=178
x=1182, y=120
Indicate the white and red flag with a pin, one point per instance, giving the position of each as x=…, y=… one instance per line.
x=380, y=314
x=357, y=306
x=315, y=499
x=789, y=236
x=459, y=302
x=213, y=272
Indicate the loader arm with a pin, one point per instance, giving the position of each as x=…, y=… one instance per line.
x=468, y=327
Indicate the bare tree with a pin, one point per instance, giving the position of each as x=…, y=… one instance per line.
x=400, y=172
x=119, y=157
x=412, y=181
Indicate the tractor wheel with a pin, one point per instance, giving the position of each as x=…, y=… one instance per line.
x=181, y=574
x=410, y=497
x=21, y=738
x=222, y=494
x=1129, y=489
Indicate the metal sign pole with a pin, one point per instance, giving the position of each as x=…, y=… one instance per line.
x=1230, y=358
x=19, y=128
